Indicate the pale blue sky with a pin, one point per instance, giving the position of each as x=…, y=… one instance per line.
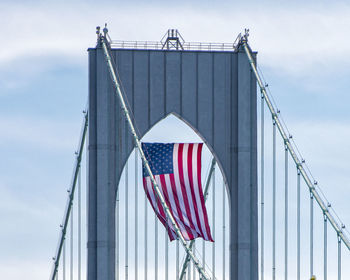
x=303, y=50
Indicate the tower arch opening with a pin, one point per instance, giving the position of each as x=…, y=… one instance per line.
x=137, y=252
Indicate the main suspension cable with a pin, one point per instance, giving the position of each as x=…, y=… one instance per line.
x=71, y=191
x=299, y=163
x=104, y=44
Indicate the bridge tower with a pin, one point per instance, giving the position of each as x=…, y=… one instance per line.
x=214, y=92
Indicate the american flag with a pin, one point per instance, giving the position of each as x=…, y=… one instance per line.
x=177, y=171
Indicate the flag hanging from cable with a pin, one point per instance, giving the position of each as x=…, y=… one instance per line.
x=177, y=171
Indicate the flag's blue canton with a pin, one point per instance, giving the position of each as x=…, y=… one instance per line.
x=160, y=158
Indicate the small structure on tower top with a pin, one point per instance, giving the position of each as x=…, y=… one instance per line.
x=173, y=41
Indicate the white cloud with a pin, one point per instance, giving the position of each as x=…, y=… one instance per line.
x=43, y=134
x=25, y=269
x=295, y=39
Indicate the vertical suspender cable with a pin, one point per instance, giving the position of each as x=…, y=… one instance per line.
x=146, y=240
x=213, y=224
x=126, y=220
x=223, y=231
x=71, y=244
x=194, y=270
x=286, y=214
x=189, y=271
x=311, y=235
x=262, y=189
x=177, y=259
x=117, y=237
x=64, y=261
x=290, y=145
x=298, y=225
x=166, y=256
x=136, y=215
x=313, y=192
x=155, y=247
x=274, y=200
x=325, y=248
x=156, y=188
x=339, y=257
x=79, y=226
x=71, y=191
x=203, y=252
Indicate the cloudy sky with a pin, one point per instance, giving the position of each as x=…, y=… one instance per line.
x=303, y=51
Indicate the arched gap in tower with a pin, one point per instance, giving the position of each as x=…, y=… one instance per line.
x=169, y=130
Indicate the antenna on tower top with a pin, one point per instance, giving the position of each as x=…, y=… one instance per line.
x=173, y=41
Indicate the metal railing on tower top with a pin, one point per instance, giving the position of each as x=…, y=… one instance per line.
x=172, y=40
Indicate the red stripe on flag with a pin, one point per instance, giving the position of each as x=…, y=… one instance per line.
x=183, y=194
x=206, y=221
x=190, y=178
x=169, y=226
x=183, y=189
x=159, y=204
x=178, y=208
x=159, y=211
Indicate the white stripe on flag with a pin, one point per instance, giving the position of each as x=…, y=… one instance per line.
x=166, y=220
x=179, y=190
x=188, y=186
x=196, y=190
x=183, y=194
x=174, y=208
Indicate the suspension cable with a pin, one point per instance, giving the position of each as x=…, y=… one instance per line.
x=223, y=230
x=146, y=239
x=298, y=225
x=71, y=191
x=104, y=43
x=213, y=225
x=79, y=226
x=118, y=234
x=155, y=247
x=166, y=258
x=274, y=201
x=339, y=258
x=136, y=214
x=311, y=235
x=286, y=215
x=64, y=261
x=71, y=244
x=177, y=259
x=290, y=147
x=262, y=188
x=126, y=216
x=325, y=248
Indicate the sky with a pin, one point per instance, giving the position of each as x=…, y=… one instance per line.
x=303, y=51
